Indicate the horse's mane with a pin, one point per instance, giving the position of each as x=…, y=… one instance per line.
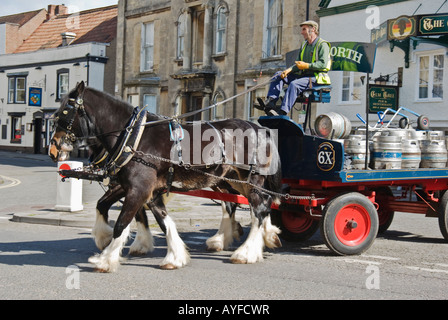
x=150, y=116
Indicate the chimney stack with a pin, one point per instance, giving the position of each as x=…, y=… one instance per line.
x=55, y=10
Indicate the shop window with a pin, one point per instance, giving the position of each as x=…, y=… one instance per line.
x=16, y=129
x=431, y=75
x=16, y=89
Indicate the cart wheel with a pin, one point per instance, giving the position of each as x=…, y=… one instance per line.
x=385, y=214
x=423, y=123
x=403, y=123
x=295, y=226
x=349, y=224
x=443, y=215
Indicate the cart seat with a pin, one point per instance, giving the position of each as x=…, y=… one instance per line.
x=319, y=93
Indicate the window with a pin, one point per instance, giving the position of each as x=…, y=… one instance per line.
x=273, y=28
x=16, y=89
x=63, y=83
x=351, y=87
x=150, y=103
x=431, y=74
x=16, y=129
x=147, y=49
x=221, y=30
x=181, y=29
x=218, y=112
x=133, y=100
x=198, y=37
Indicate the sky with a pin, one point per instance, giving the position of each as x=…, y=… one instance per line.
x=8, y=7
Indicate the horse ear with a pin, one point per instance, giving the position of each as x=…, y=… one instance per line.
x=80, y=88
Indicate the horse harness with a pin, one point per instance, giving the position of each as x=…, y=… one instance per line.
x=123, y=150
x=126, y=147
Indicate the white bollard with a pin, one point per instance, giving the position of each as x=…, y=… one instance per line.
x=69, y=192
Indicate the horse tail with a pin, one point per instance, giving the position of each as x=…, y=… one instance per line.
x=273, y=183
x=273, y=180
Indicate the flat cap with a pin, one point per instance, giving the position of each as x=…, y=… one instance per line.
x=311, y=23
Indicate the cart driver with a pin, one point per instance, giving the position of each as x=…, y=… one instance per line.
x=310, y=69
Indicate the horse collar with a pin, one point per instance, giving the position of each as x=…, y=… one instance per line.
x=129, y=141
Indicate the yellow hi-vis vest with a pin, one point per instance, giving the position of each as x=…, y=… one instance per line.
x=321, y=77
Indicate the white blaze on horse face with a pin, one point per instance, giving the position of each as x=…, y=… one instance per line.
x=59, y=149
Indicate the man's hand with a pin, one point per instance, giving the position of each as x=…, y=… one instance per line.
x=302, y=65
x=285, y=73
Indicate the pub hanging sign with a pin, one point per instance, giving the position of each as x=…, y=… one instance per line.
x=383, y=97
x=433, y=25
x=422, y=25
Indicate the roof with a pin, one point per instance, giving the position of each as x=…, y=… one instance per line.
x=20, y=18
x=95, y=25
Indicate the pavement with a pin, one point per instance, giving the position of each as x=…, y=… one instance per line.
x=186, y=211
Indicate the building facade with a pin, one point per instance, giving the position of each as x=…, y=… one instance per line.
x=411, y=59
x=62, y=51
x=177, y=56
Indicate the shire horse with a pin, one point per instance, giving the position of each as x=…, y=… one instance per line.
x=86, y=112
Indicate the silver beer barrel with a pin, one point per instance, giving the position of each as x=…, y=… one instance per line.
x=355, y=147
x=333, y=125
x=434, y=154
x=387, y=152
x=412, y=155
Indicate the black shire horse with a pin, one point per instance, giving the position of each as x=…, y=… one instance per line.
x=159, y=159
x=229, y=229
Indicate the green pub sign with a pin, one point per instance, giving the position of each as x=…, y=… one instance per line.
x=433, y=25
x=382, y=97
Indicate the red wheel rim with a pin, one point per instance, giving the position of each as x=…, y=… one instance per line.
x=296, y=222
x=352, y=225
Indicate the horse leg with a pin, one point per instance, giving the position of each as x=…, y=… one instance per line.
x=177, y=255
x=101, y=231
x=228, y=229
x=143, y=242
x=262, y=231
x=109, y=259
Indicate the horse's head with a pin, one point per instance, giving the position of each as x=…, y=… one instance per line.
x=67, y=128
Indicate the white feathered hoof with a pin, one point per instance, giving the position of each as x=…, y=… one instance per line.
x=270, y=235
x=102, y=232
x=143, y=242
x=104, y=265
x=109, y=260
x=251, y=251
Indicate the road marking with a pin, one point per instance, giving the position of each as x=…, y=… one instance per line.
x=427, y=269
x=13, y=183
x=361, y=261
x=380, y=257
